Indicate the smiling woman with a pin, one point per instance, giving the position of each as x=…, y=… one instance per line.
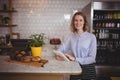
x=82, y=45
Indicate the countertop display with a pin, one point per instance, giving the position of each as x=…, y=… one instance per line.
x=52, y=69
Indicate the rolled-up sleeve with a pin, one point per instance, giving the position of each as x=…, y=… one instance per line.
x=65, y=46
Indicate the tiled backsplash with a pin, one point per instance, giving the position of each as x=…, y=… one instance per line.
x=51, y=17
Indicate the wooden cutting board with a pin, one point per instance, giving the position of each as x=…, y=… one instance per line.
x=35, y=64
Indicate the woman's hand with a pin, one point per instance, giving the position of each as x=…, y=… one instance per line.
x=59, y=58
x=70, y=57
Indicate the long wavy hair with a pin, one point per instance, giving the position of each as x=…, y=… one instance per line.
x=72, y=26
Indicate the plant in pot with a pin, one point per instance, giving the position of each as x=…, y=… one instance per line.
x=36, y=43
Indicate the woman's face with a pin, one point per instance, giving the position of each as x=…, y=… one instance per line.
x=78, y=22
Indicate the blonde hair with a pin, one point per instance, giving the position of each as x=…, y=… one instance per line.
x=85, y=27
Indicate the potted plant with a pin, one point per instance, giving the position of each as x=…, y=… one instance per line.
x=36, y=42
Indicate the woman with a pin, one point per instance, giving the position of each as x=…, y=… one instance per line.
x=81, y=45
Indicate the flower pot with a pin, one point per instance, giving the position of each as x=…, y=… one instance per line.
x=36, y=51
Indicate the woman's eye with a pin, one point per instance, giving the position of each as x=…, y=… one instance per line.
x=80, y=20
x=76, y=20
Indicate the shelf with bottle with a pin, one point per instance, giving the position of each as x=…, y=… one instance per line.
x=7, y=7
x=106, y=14
x=107, y=39
x=108, y=25
x=106, y=19
x=5, y=42
x=108, y=52
x=108, y=44
x=107, y=34
x=6, y=12
x=5, y=21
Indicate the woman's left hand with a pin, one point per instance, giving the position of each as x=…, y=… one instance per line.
x=70, y=57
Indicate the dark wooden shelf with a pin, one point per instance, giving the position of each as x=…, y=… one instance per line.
x=107, y=10
x=110, y=39
x=106, y=20
x=108, y=28
x=7, y=11
x=4, y=25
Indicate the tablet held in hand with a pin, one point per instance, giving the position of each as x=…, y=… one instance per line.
x=61, y=54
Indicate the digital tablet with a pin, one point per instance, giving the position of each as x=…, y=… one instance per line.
x=61, y=54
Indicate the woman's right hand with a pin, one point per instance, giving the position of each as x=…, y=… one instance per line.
x=59, y=58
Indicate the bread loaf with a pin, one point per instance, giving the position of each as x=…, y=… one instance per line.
x=36, y=58
x=26, y=59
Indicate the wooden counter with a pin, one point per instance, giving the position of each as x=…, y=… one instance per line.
x=53, y=70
